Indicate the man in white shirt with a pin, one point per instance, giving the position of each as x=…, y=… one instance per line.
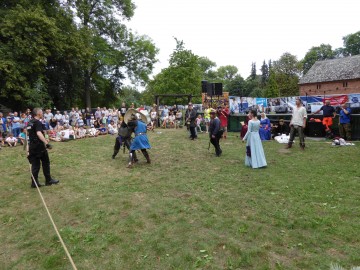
x=58, y=116
x=298, y=123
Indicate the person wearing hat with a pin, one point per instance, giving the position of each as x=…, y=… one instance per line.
x=215, y=132
x=136, y=121
x=190, y=116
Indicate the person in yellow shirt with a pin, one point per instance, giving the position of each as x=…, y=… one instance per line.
x=207, y=117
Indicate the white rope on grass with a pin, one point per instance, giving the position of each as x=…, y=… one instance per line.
x=53, y=223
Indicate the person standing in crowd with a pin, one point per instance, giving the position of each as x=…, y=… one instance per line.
x=255, y=156
x=178, y=120
x=328, y=114
x=2, y=129
x=207, y=117
x=223, y=114
x=153, y=117
x=265, y=128
x=140, y=141
x=48, y=116
x=215, y=132
x=88, y=117
x=98, y=113
x=59, y=118
x=122, y=110
x=37, y=150
x=345, y=122
x=190, y=116
x=16, y=125
x=65, y=119
x=298, y=123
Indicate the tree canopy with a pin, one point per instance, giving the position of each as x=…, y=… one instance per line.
x=67, y=53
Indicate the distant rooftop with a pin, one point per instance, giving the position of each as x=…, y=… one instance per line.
x=347, y=68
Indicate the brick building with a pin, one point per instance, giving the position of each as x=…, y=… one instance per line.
x=332, y=77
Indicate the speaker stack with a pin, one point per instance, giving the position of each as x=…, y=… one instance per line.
x=212, y=89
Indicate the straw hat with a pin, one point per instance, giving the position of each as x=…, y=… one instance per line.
x=132, y=113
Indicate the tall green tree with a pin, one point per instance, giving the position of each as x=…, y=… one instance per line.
x=27, y=38
x=272, y=89
x=287, y=70
x=351, y=45
x=253, y=71
x=318, y=53
x=183, y=76
x=114, y=48
x=264, y=74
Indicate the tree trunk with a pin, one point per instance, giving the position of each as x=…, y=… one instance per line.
x=87, y=89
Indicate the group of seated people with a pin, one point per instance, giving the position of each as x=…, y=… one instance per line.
x=171, y=118
x=267, y=130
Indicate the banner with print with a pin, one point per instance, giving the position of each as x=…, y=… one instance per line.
x=215, y=101
x=336, y=100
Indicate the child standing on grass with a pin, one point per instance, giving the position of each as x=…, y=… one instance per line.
x=198, y=122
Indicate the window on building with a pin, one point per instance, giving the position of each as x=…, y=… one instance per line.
x=345, y=84
x=318, y=86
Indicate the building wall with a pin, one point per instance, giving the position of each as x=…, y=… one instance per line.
x=330, y=88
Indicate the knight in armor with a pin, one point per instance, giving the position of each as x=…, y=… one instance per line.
x=123, y=139
x=136, y=121
x=37, y=150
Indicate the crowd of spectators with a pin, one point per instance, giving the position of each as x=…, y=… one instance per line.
x=83, y=123
x=62, y=126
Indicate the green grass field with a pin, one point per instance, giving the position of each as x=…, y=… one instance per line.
x=187, y=210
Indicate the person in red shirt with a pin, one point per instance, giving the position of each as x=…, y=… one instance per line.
x=223, y=114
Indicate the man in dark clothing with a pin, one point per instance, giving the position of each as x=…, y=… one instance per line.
x=214, y=132
x=190, y=116
x=281, y=128
x=37, y=150
x=124, y=137
x=328, y=114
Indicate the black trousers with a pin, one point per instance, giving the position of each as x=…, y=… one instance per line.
x=216, y=143
x=38, y=159
x=192, y=132
x=117, y=145
x=126, y=142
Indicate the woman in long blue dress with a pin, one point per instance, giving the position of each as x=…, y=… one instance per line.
x=265, y=128
x=255, y=156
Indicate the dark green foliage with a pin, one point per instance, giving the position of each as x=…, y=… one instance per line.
x=322, y=52
x=48, y=58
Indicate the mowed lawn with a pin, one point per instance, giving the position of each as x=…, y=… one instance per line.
x=187, y=210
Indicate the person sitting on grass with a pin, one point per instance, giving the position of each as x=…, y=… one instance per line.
x=22, y=137
x=81, y=132
x=102, y=130
x=93, y=132
x=11, y=140
x=54, y=136
x=112, y=128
